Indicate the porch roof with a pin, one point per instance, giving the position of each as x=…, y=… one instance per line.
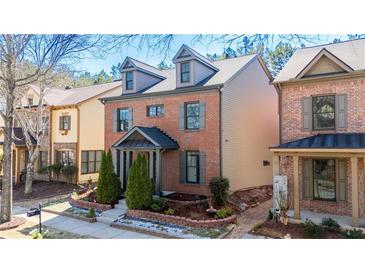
x=19, y=138
x=327, y=141
x=153, y=137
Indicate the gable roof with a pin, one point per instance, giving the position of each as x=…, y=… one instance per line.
x=19, y=138
x=143, y=67
x=349, y=53
x=63, y=97
x=197, y=55
x=154, y=137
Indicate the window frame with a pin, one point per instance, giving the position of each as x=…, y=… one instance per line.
x=59, y=159
x=130, y=81
x=186, y=116
x=182, y=72
x=95, y=161
x=125, y=119
x=157, y=114
x=335, y=179
x=196, y=154
x=62, y=122
x=314, y=128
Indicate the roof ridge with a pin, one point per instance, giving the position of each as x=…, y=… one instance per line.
x=328, y=44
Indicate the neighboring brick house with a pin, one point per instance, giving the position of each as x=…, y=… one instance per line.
x=322, y=129
x=196, y=121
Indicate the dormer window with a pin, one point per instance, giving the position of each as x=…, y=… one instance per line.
x=129, y=80
x=185, y=72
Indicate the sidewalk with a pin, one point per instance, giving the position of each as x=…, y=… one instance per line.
x=93, y=230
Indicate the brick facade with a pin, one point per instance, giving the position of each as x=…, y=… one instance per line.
x=207, y=139
x=291, y=129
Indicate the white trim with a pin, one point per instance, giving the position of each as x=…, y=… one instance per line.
x=140, y=132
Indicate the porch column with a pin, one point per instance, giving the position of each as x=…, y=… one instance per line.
x=150, y=153
x=114, y=156
x=121, y=167
x=355, y=192
x=127, y=162
x=158, y=187
x=275, y=165
x=296, y=188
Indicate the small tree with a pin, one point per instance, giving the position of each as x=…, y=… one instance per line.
x=107, y=191
x=139, y=187
x=219, y=187
x=56, y=170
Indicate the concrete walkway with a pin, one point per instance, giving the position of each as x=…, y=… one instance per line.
x=249, y=218
x=93, y=230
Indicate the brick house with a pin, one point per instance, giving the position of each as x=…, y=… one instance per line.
x=193, y=122
x=322, y=129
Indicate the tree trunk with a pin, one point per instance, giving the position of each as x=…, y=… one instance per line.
x=7, y=184
x=29, y=178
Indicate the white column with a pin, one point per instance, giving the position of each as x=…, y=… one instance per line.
x=150, y=153
x=114, y=156
x=127, y=162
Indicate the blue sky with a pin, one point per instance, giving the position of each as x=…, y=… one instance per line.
x=95, y=65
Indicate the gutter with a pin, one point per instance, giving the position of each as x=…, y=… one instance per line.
x=159, y=93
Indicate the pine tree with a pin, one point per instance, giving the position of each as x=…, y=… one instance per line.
x=139, y=187
x=108, y=183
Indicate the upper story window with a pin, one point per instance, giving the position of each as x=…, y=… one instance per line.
x=155, y=110
x=124, y=119
x=185, y=72
x=65, y=122
x=323, y=108
x=192, y=115
x=129, y=80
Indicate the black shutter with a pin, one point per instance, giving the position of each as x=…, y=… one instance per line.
x=182, y=167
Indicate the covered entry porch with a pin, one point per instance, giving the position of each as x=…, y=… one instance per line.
x=149, y=141
x=325, y=174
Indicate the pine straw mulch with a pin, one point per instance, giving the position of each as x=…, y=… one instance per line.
x=43, y=189
x=15, y=222
x=277, y=230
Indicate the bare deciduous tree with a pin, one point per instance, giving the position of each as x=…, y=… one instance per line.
x=24, y=59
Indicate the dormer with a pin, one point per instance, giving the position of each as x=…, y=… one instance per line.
x=192, y=68
x=138, y=76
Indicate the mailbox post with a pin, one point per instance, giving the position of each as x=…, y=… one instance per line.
x=34, y=212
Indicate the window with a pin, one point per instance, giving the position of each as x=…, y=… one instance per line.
x=192, y=167
x=324, y=179
x=90, y=161
x=185, y=72
x=43, y=159
x=65, y=122
x=323, y=112
x=124, y=119
x=45, y=121
x=192, y=115
x=129, y=80
x=65, y=157
x=155, y=110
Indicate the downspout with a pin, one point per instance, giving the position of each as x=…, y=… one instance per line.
x=78, y=146
x=220, y=89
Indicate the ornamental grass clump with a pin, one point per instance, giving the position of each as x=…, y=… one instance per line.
x=139, y=187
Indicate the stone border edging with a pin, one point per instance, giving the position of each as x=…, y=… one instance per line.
x=88, y=205
x=45, y=200
x=153, y=216
x=70, y=215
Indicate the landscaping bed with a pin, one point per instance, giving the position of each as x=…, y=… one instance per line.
x=307, y=230
x=43, y=189
x=168, y=230
x=182, y=199
x=87, y=199
x=250, y=197
x=14, y=223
